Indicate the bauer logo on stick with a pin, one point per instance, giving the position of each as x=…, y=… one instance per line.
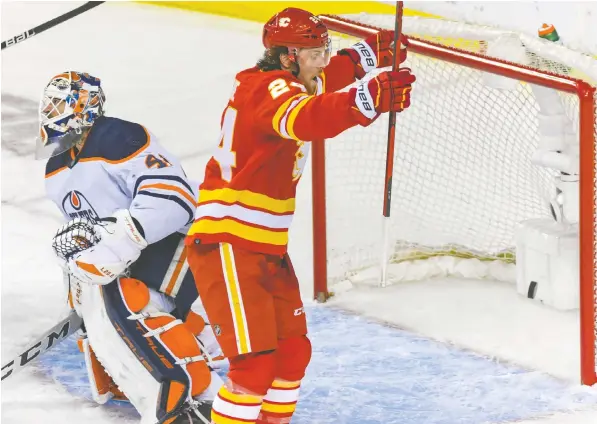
x=19, y=38
x=49, y=24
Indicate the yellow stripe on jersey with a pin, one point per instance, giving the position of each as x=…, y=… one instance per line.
x=220, y=419
x=283, y=384
x=293, y=115
x=282, y=111
x=240, y=398
x=241, y=329
x=247, y=198
x=247, y=232
x=278, y=408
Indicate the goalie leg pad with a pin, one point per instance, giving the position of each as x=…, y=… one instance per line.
x=128, y=368
x=176, y=344
x=101, y=384
x=183, y=346
x=195, y=323
x=154, y=359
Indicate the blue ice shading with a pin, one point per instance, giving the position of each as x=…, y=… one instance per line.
x=367, y=373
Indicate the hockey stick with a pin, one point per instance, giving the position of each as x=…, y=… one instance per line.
x=387, y=195
x=52, y=337
x=51, y=23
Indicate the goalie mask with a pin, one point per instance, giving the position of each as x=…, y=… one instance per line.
x=70, y=104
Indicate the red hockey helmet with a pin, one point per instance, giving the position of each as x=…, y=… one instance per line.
x=296, y=29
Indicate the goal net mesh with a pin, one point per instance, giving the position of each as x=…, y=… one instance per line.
x=463, y=175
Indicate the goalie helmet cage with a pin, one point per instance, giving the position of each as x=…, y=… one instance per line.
x=351, y=153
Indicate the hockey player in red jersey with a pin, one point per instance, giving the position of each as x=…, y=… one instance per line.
x=238, y=241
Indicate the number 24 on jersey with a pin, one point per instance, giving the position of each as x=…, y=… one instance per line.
x=226, y=156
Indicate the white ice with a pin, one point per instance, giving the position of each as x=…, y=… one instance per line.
x=172, y=71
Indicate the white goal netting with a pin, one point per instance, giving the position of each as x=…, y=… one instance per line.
x=464, y=170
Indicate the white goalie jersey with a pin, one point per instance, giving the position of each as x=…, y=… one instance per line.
x=122, y=166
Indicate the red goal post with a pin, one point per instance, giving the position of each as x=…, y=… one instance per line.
x=585, y=99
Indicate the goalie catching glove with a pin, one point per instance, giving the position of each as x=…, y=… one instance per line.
x=376, y=51
x=388, y=92
x=98, y=252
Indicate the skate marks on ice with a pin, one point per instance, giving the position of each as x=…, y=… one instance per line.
x=65, y=364
x=368, y=373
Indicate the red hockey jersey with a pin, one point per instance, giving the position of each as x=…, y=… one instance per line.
x=248, y=195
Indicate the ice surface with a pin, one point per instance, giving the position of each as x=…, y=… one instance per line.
x=362, y=370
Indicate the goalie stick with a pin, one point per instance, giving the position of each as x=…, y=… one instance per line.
x=51, y=338
x=51, y=23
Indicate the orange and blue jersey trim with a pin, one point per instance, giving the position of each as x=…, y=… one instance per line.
x=167, y=187
x=111, y=140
